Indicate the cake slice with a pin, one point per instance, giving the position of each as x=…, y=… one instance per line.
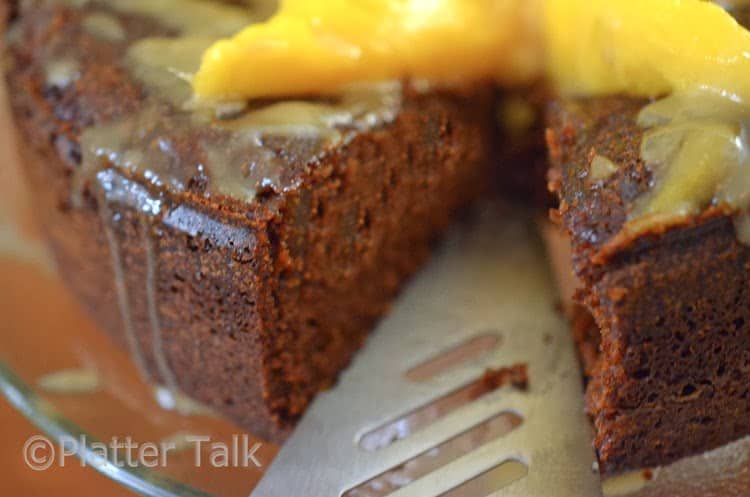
x=672, y=305
x=653, y=196
x=241, y=251
x=672, y=302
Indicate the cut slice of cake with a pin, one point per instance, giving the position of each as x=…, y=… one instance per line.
x=654, y=194
x=241, y=251
x=673, y=304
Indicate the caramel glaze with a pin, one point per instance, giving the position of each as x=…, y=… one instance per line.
x=696, y=146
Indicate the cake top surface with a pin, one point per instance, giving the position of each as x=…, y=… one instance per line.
x=196, y=75
x=115, y=74
x=692, y=50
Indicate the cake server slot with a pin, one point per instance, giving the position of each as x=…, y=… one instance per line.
x=455, y=475
x=485, y=484
x=421, y=417
x=440, y=455
x=490, y=274
x=455, y=356
x=442, y=430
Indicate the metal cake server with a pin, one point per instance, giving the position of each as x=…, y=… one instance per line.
x=417, y=415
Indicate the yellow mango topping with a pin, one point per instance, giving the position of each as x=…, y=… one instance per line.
x=318, y=47
x=646, y=47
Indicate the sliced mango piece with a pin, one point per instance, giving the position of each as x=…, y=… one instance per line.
x=319, y=47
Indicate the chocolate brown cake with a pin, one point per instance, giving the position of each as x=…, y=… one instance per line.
x=672, y=304
x=240, y=252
